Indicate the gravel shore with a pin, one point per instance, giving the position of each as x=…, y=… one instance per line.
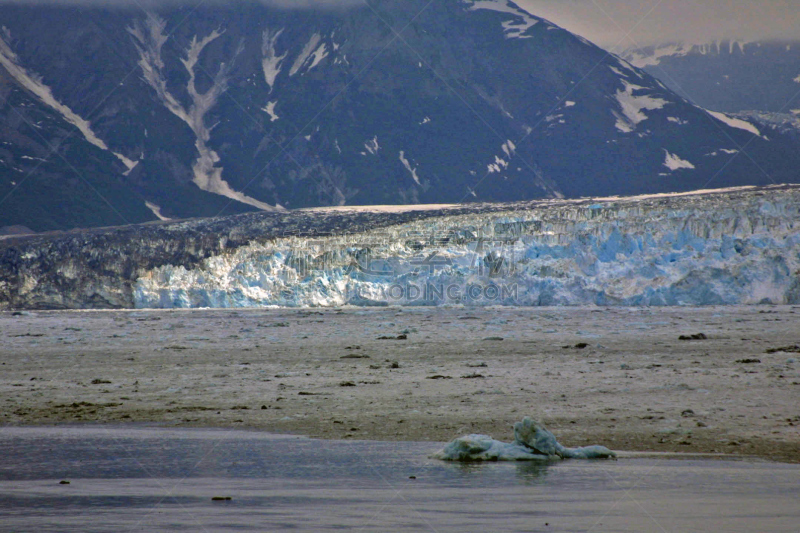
x=702, y=380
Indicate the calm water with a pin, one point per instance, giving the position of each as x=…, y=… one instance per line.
x=153, y=479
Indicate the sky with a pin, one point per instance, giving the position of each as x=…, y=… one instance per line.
x=622, y=24
x=613, y=24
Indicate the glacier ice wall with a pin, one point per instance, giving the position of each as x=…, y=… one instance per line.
x=692, y=250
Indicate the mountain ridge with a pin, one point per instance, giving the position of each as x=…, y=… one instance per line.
x=222, y=111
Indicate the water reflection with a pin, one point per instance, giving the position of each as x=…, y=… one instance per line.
x=165, y=479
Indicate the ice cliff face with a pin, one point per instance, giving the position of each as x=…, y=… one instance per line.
x=732, y=247
x=739, y=247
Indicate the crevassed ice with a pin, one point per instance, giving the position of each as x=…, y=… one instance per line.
x=700, y=252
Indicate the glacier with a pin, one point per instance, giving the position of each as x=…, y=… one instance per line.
x=734, y=247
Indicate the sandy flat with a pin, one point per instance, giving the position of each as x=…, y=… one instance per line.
x=619, y=377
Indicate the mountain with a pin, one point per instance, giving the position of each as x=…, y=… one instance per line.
x=124, y=116
x=728, y=76
x=733, y=246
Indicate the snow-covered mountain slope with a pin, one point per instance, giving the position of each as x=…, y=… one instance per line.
x=234, y=109
x=737, y=246
x=728, y=76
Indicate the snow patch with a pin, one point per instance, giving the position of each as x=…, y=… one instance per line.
x=633, y=107
x=735, y=122
x=313, y=53
x=617, y=71
x=407, y=164
x=498, y=166
x=156, y=211
x=673, y=162
x=642, y=60
x=270, y=110
x=34, y=83
x=372, y=146
x=514, y=29
x=509, y=148
x=271, y=61
x=149, y=39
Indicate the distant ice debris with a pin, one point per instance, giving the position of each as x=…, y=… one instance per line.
x=569, y=103
x=633, y=107
x=735, y=122
x=673, y=162
x=514, y=29
x=532, y=442
x=797, y=79
x=407, y=164
x=678, y=121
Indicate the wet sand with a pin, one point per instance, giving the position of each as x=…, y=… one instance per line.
x=345, y=373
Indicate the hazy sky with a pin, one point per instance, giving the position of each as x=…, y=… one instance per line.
x=607, y=22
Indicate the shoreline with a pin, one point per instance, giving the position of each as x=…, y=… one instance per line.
x=326, y=373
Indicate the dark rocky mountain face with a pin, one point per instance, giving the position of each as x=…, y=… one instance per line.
x=728, y=76
x=198, y=112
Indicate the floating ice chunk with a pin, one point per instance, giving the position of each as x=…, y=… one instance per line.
x=532, y=442
x=569, y=103
x=797, y=79
x=735, y=122
x=471, y=448
x=673, y=162
x=678, y=121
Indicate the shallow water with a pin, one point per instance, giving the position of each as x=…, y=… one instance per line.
x=158, y=479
